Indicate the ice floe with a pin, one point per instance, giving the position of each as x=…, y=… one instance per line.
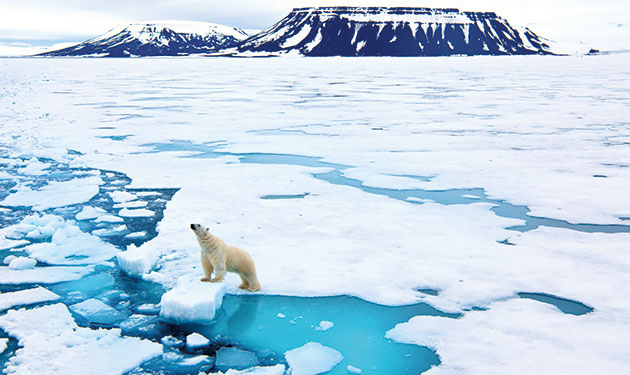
x=22, y=263
x=196, y=341
x=55, y=194
x=52, y=343
x=312, y=358
x=97, y=312
x=192, y=301
x=325, y=325
x=138, y=212
x=26, y=297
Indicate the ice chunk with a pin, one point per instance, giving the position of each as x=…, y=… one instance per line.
x=8, y=259
x=281, y=315
x=97, y=312
x=140, y=212
x=148, y=308
x=196, y=341
x=325, y=325
x=22, y=263
x=26, y=297
x=171, y=342
x=353, y=370
x=109, y=232
x=259, y=370
x=312, y=358
x=109, y=219
x=43, y=275
x=55, y=194
x=3, y=345
x=233, y=358
x=134, y=204
x=137, y=261
x=72, y=246
x=140, y=325
x=192, y=301
x=122, y=196
x=52, y=343
x=89, y=212
x=135, y=235
x=6, y=243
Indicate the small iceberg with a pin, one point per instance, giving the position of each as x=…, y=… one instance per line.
x=192, y=301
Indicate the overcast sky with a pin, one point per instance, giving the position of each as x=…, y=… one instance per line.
x=604, y=23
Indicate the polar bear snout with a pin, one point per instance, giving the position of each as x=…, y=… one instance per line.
x=194, y=226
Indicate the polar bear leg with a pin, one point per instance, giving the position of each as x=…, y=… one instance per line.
x=244, y=282
x=207, y=267
x=219, y=273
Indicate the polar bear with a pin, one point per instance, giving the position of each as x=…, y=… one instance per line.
x=220, y=257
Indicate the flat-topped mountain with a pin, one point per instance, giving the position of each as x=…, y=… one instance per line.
x=161, y=38
x=382, y=31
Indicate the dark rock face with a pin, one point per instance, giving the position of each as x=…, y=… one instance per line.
x=156, y=39
x=377, y=31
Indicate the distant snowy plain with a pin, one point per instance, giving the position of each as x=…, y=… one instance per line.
x=548, y=133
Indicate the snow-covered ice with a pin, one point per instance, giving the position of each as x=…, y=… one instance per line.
x=52, y=343
x=192, y=301
x=325, y=325
x=26, y=297
x=89, y=212
x=3, y=345
x=55, y=194
x=22, y=263
x=312, y=358
x=196, y=340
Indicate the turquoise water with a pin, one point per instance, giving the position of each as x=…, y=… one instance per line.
x=252, y=322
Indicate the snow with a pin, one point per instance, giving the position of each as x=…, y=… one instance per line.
x=55, y=194
x=26, y=297
x=196, y=341
x=325, y=325
x=520, y=334
x=22, y=263
x=192, y=301
x=312, y=358
x=52, y=343
x=3, y=345
x=294, y=40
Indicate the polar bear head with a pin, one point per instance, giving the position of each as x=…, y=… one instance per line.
x=199, y=229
